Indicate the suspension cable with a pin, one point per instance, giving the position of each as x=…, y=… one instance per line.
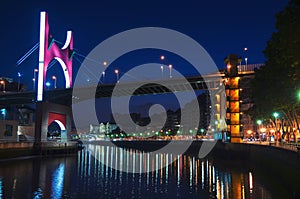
x=24, y=57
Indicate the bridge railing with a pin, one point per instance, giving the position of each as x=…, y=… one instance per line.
x=248, y=67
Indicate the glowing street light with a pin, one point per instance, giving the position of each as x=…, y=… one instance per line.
x=34, y=77
x=259, y=122
x=48, y=85
x=54, y=79
x=170, y=67
x=117, y=73
x=162, y=72
x=162, y=57
x=103, y=76
x=246, y=60
x=3, y=83
x=275, y=114
x=19, y=79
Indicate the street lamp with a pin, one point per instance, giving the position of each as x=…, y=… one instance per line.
x=170, y=67
x=103, y=76
x=3, y=83
x=54, y=79
x=19, y=79
x=162, y=72
x=275, y=114
x=48, y=85
x=162, y=57
x=246, y=60
x=259, y=122
x=34, y=77
x=117, y=73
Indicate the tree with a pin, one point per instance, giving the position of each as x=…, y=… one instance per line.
x=277, y=83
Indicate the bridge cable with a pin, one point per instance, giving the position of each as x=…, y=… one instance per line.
x=24, y=57
x=85, y=67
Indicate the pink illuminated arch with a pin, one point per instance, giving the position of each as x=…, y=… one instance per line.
x=49, y=51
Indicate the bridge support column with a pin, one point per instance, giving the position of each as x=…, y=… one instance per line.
x=46, y=113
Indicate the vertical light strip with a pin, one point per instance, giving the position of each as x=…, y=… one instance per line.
x=41, y=57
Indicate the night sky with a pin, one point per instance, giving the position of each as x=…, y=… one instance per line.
x=221, y=27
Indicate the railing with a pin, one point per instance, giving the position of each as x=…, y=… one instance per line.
x=248, y=67
x=288, y=146
x=283, y=145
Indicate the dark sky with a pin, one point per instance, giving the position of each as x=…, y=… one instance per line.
x=221, y=27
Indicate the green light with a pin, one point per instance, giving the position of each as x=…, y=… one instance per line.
x=259, y=122
x=202, y=130
x=275, y=114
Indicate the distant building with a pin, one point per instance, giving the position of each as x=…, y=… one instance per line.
x=8, y=85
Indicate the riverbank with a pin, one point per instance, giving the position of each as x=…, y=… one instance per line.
x=21, y=149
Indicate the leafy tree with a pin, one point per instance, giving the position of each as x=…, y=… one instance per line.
x=277, y=83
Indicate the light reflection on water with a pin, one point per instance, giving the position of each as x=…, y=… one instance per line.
x=85, y=176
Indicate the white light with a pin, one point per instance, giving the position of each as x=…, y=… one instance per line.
x=41, y=56
x=61, y=125
x=66, y=72
x=68, y=40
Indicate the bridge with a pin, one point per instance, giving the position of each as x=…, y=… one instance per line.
x=49, y=50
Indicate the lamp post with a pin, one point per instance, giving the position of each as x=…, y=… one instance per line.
x=103, y=76
x=3, y=83
x=117, y=74
x=170, y=67
x=162, y=72
x=246, y=60
x=34, y=77
x=19, y=79
x=103, y=73
x=48, y=85
x=275, y=114
x=54, y=81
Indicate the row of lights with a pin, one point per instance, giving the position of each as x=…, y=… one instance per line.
x=162, y=57
x=54, y=78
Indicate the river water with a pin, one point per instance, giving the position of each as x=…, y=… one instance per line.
x=91, y=174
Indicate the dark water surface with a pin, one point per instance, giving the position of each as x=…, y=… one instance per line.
x=89, y=175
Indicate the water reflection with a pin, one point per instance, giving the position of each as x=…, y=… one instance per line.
x=84, y=176
x=186, y=176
